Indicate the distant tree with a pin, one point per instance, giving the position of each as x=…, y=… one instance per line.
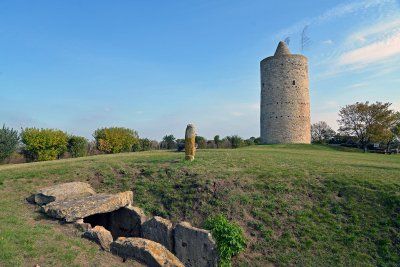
x=116, y=139
x=201, y=142
x=257, y=141
x=236, y=141
x=368, y=122
x=225, y=143
x=217, y=141
x=393, y=135
x=44, y=144
x=77, y=146
x=9, y=140
x=145, y=144
x=250, y=141
x=180, y=144
x=169, y=142
x=154, y=145
x=321, y=132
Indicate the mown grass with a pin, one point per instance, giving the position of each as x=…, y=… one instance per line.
x=298, y=204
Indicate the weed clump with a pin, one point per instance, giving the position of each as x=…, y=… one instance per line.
x=229, y=237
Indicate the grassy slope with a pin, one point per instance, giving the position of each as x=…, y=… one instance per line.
x=299, y=204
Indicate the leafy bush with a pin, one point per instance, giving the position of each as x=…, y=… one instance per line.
x=236, y=141
x=168, y=142
x=229, y=237
x=77, y=146
x=145, y=144
x=116, y=139
x=44, y=144
x=201, y=142
x=9, y=139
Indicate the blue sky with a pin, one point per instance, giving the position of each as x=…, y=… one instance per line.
x=156, y=66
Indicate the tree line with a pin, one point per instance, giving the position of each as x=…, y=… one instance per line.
x=364, y=125
x=33, y=144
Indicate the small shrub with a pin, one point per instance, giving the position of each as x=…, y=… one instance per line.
x=9, y=139
x=77, y=146
x=44, y=144
x=145, y=144
x=229, y=237
x=116, y=139
x=201, y=142
x=236, y=141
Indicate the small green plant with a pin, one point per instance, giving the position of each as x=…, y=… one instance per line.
x=77, y=146
x=229, y=237
x=9, y=139
x=44, y=144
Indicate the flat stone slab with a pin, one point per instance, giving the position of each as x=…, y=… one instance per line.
x=195, y=247
x=146, y=251
x=62, y=192
x=71, y=210
x=159, y=230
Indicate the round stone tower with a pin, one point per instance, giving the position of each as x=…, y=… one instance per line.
x=285, y=98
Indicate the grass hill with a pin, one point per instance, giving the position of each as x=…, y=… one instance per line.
x=298, y=204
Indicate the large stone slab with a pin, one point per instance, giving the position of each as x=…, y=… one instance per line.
x=100, y=235
x=62, y=192
x=146, y=251
x=195, y=247
x=74, y=209
x=127, y=222
x=159, y=230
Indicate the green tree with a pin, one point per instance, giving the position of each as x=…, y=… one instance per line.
x=116, y=139
x=217, y=141
x=9, y=139
x=77, y=146
x=367, y=122
x=145, y=144
x=44, y=144
x=201, y=142
x=169, y=142
x=321, y=132
x=236, y=141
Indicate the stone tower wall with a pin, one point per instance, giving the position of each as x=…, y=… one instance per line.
x=285, y=100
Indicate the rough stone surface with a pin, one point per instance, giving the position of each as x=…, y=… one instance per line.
x=74, y=209
x=82, y=226
x=285, y=99
x=195, y=247
x=159, y=230
x=62, y=192
x=190, y=143
x=127, y=222
x=146, y=251
x=99, y=235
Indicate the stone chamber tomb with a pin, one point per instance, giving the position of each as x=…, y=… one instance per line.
x=117, y=226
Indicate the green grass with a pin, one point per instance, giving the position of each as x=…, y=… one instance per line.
x=298, y=204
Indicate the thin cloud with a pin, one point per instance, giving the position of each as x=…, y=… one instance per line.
x=374, y=52
x=333, y=13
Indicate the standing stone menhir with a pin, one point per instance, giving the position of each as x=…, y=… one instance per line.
x=190, y=142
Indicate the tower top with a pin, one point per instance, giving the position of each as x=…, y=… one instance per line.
x=282, y=49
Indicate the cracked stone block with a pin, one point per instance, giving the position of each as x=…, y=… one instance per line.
x=99, y=235
x=159, y=230
x=149, y=252
x=195, y=247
